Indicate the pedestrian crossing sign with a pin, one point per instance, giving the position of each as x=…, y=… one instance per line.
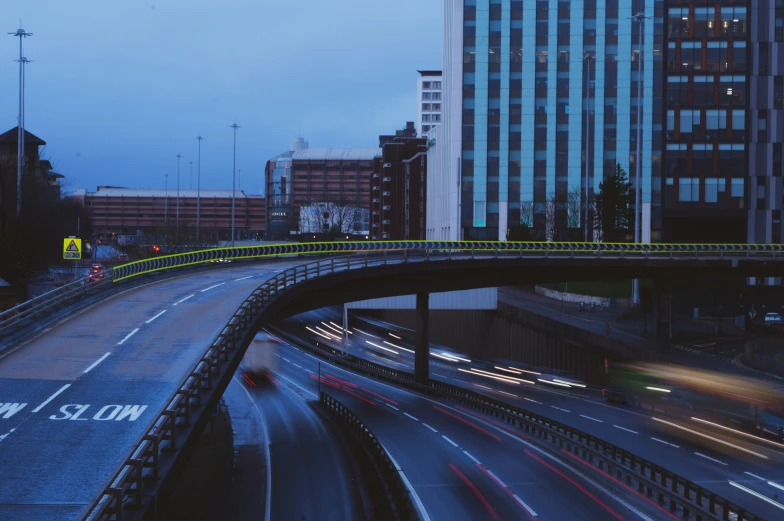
x=72, y=248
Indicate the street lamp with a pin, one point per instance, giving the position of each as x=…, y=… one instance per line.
x=639, y=17
x=198, y=192
x=190, y=175
x=178, y=191
x=233, y=179
x=588, y=59
x=166, y=202
x=21, y=34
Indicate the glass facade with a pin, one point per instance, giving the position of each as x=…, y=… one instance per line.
x=537, y=114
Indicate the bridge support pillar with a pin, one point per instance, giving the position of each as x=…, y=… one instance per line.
x=422, y=347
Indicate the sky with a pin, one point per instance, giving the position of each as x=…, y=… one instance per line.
x=118, y=88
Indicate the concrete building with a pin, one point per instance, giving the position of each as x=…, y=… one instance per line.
x=398, y=189
x=522, y=131
x=429, y=100
x=132, y=212
x=305, y=176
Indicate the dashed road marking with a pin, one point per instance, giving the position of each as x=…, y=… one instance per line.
x=63, y=388
x=391, y=406
x=412, y=417
x=212, y=287
x=243, y=278
x=625, y=429
x=156, y=316
x=564, y=410
x=429, y=427
x=711, y=459
x=450, y=441
x=665, y=442
x=592, y=419
x=96, y=363
x=472, y=458
x=754, y=476
x=129, y=335
x=184, y=299
x=530, y=400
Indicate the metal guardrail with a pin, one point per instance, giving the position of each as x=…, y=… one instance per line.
x=78, y=289
x=671, y=491
x=142, y=465
x=401, y=502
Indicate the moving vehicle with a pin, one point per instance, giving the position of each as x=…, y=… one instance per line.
x=260, y=359
x=772, y=319
x=96, y=272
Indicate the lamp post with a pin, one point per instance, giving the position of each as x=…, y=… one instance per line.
x=190, y=175
x=198, y=192
x=233, y=179
x=639, y=17
x=21, y=34
x=588, y=59
x=166, y=202
x=177, y=222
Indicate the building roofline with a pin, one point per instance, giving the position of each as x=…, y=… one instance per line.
x=430, y=72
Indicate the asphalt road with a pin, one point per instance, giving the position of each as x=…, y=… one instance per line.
x=708, y=456
x=460, y=464
x=76, y=397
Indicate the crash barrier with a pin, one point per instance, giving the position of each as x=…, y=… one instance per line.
x=762, y=355
x=670, y=491
x=401, y=503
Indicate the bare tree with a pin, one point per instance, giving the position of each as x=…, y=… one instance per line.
x=574, y=207
x=550, y=216
x=329, y=217
x=527, y=213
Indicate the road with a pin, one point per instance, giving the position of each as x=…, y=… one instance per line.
x=75, y=399
x=460, y=464
x=708, y=456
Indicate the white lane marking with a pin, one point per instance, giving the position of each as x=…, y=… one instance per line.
x=665, y=442
x=412, y=417
x=63, y=388
x=298, y=365
x=530, y=400
x=564, y=410
x=212, y=287
x=184, y=299
x=391, y=406
x=509, y=394
x=440, y=375
x=286, y=359
x=314, y=395
x=429, y=427
x=472, y=458
x=484, y=387
x=450, y=441
x=496, y=478
x=625, y=429
x=757, y=494
x=311, y=372
x=276, y=354
x=709, y=458
x=96, y=363
x=156, y=316
x=755, y=476
x=268, y=459
x=243, y=278
x=129, y=335
x=589, y=418
x=717, y=440
x=522, y=503
x=776, y=485
x=417, y=502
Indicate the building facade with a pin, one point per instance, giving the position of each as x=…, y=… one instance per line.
x=306, y=176
x=541, y=103
x=429, y=100
x=398, y=190
x=120, y=212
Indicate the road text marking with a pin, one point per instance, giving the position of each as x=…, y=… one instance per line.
x=9, y=409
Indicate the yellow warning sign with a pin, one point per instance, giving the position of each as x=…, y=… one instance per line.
x=72, y=249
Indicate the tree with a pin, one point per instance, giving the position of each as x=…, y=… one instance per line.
x=550, y=218
x=612, y=207
x=332, y=219
x=527, y=213
x=574, y=207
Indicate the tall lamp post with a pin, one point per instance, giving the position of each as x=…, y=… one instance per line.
x=639, y=17
x=21, y=34
x=233, y=179
x=588, y=59
x=198, y=192
x=190, y=175
x=166, y=202
x=177, y=222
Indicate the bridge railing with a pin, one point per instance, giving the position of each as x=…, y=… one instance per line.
x=402, y=503
x=153, y=453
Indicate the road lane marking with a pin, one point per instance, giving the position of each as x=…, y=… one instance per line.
x=184, y=299
x=530, y=400
x=755, y=476
x=526, y=507
x=266, y=444
x=129, y=335
x=412, y=417
x=96, y=363
x=665, y=442
x=414, y=496
x=156, y=316
x=717, y=440
x=776, y=485
x=757, y=494
x=509, y=394
x=63, y=388
x=298, y=365
x=429, y=427
x=589, y=418
x=243, y=278
x=286, y=359
x=391, y=406
x=472, y=458
x=212, y=287
x=564, y=410
x=314, y=395
x=496, y=478
x=450, y=441
x=625, y=429
x=711, y=459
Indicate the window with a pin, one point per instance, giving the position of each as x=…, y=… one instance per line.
x=691, y=56
x=713, y=187
x=762, y=128
x=425, y=128
x=689, y=120
x=436, y=118
x=425, y=106
x=733, y=22
x=436, y=106
x=738, y=56
x=736, y=187
x=704, y=21
x=732, y=90
x=425, y=95
x=425, y=117
x=436, y=84
x=702, y=159
x=425, y=84
x=703, y=91
x=436, y=95
x=677, y=91
x=778, y=92
x=689, y=189
x=717, y=57
x=715, y=120
x=678, y=22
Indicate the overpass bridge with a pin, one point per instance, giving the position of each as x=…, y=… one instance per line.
x=93, y=403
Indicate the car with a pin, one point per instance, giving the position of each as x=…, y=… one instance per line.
x=96, y=272
x=772, y=319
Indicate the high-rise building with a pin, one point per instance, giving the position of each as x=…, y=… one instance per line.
x=429, y=102
x=540, y=95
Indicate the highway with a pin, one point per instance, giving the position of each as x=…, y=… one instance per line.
x=462, y=465
x=706, y=455
x=75, y=398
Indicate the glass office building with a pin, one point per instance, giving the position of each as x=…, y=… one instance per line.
x=539, y=94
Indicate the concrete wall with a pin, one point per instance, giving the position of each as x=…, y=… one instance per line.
x=482, y=298
x=586, y=299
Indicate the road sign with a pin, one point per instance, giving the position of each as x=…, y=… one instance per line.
x=72, y=249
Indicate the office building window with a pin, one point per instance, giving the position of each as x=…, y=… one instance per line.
x=713, y=187
x=704, y=22
x=425, y=106
x=425, y=128
x=436, y=106
x=436, y=96
x=736, y=187
x=436, y=118
x=691, y=56
x=425, y=95
x=733, y=22
x=689, y=189
x=425, y=117
x=436, y=84
x=717, y=57
x=678, y=22
x=425, y=84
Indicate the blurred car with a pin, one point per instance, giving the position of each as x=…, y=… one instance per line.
x=96, y=272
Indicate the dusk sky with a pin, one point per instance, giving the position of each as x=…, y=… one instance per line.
x=117, y=88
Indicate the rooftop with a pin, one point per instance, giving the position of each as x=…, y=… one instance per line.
x=337, y=154
x=430, y=73
x=161, y=192
x=12, y=135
